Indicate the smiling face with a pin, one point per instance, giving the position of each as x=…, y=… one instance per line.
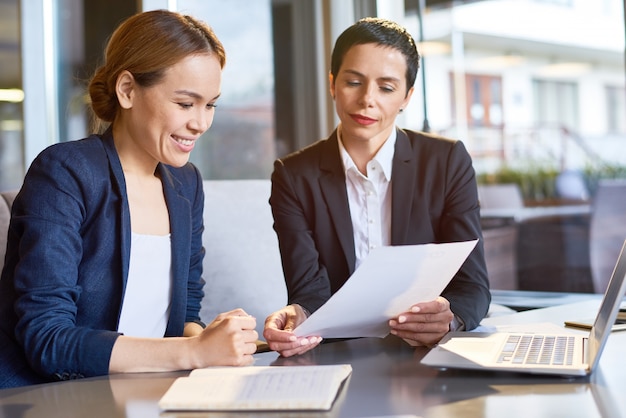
x=369, y=91
x=161, y=123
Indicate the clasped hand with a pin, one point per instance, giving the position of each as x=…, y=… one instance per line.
x=230, y=340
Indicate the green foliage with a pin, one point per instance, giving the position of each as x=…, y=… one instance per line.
x=593, y=174
x=537, y=182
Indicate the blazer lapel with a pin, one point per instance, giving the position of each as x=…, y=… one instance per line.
x=403, y=183
x=180, y=214
x=120, y=183
x=333, y=186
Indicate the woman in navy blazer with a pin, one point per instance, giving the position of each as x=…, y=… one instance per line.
x=372, y=184
x=67, y=271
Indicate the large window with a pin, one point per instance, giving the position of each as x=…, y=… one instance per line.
x=525, y=82
x=540, y=110
x=534, y=88
x=556, y=103
x=616, y=107
x=483, y=113
x=503, y=75
x=241, y=142
x=11, y=98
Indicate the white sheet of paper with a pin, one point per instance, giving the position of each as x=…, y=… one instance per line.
x=387, y=283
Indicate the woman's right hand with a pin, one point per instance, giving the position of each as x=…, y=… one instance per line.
x=230, y=340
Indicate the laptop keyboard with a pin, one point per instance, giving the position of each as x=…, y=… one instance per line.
x=538, y=350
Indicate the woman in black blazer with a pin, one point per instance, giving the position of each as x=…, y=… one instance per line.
x=372, y=184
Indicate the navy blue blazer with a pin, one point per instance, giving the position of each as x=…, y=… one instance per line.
x=67, y=261
x=434, y=200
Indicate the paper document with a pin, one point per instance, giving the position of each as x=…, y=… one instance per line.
x=388, y=282
x=257, y=388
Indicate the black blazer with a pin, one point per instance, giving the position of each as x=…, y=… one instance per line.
x=434, y=200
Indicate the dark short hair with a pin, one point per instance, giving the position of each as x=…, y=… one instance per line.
x=383, y=32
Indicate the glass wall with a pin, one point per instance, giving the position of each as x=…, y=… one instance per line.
x=534, y=88
x=489, y=81
x=500, y=72
x=241, y=142
x=11, y=98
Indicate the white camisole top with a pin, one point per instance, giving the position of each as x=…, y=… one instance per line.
x=147, y=299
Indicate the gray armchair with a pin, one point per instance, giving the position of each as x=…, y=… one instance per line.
x=607, y=230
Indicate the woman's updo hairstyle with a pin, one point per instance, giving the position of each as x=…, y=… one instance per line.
x=146, y=44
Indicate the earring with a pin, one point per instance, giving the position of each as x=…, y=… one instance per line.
x=401, y=110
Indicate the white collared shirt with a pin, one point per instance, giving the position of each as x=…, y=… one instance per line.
x=369, y=198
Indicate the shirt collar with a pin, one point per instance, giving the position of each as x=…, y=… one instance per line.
x=384, y=156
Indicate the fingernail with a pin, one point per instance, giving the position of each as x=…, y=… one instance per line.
x=401, y=319
x=415, y=309
x=304, y=341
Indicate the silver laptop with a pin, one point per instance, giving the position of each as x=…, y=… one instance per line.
x=561, y=354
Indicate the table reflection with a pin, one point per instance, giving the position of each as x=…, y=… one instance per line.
x=387, y=380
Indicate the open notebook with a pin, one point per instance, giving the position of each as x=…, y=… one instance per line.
x=257, y=388
x=563, y=354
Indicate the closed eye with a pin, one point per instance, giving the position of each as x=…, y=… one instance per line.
x=186, y=105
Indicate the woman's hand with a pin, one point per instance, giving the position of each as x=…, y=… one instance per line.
x=278, y=332
x=425, y=323
x=230, y=340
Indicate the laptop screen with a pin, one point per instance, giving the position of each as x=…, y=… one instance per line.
x=608, y=309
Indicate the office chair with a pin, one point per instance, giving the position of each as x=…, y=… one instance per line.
x=500, y=196
x=570, y=184
x=607, y=230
